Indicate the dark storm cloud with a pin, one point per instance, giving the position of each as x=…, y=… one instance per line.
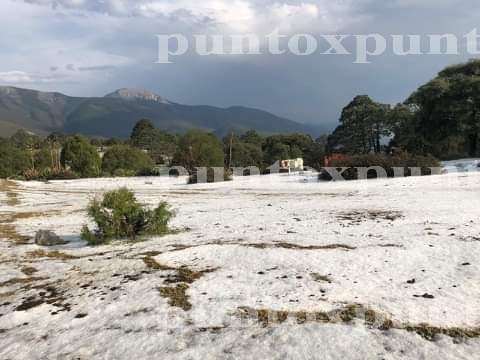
x=121, y=33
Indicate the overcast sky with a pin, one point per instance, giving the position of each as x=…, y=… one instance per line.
x=92, y=47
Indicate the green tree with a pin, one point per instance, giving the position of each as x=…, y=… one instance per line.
x=276, y=150
x=159, y=144
x=363, y=124
x=252, y=137
x=244, y=154
x=43, y=158
x=447, y=114
x=81, y=157
x=55, y=143
x=199, y=149
x=13, y=160
x=128, y=159
x=142, y=134
x=28, y=142
x=283, y=147
x=314, y=155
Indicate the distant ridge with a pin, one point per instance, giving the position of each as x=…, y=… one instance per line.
x=115, y=114
x=137, y=94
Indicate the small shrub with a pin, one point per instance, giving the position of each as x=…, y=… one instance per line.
x=120, y=216
x=32, y=174
x=49, y=174
x=126, y=161
x=59, y=174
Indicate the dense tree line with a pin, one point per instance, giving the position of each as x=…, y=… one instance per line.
x=59, y=156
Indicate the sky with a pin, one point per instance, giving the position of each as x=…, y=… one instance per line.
x=93, y=47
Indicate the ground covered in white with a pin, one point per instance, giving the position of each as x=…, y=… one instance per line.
x=272, y=267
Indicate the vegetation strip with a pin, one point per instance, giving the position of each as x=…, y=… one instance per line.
x=51, y=255
x=283, y=245
x=372, y=318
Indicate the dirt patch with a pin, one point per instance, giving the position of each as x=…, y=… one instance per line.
x=28, y=270
x=21, y=281
x=46, y=294
x=356, y=217
x=391, y=246
x=469, y=238
x=321, y=278
x=51, y=255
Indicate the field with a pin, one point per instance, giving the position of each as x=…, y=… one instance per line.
x=273, y=267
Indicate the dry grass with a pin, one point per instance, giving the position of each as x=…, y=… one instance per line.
x=154, y=265
x=309, y=195
x=8, y=229
x=51, y=255
x=266, y=317
x=283, y=245
x=371, y=318
x=9, y=187
x=355, y=217
x=9, y=232
x=183, y=277
x=188, y=276
x=431, y=332
x=274, y=245
x=177, y=296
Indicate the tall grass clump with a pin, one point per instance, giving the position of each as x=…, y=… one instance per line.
x=120, y=216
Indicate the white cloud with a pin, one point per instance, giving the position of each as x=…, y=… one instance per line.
x=22, y=77
x=423, y=3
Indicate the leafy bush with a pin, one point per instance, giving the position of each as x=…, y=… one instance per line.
x=197, y=148
x=403, y=161
x=120, y=216
x=81, y=157
x=13, y=161
x=124, y=160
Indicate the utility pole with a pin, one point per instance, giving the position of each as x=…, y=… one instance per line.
x=231, y=147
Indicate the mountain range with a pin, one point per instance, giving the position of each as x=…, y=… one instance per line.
x=115, y=114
